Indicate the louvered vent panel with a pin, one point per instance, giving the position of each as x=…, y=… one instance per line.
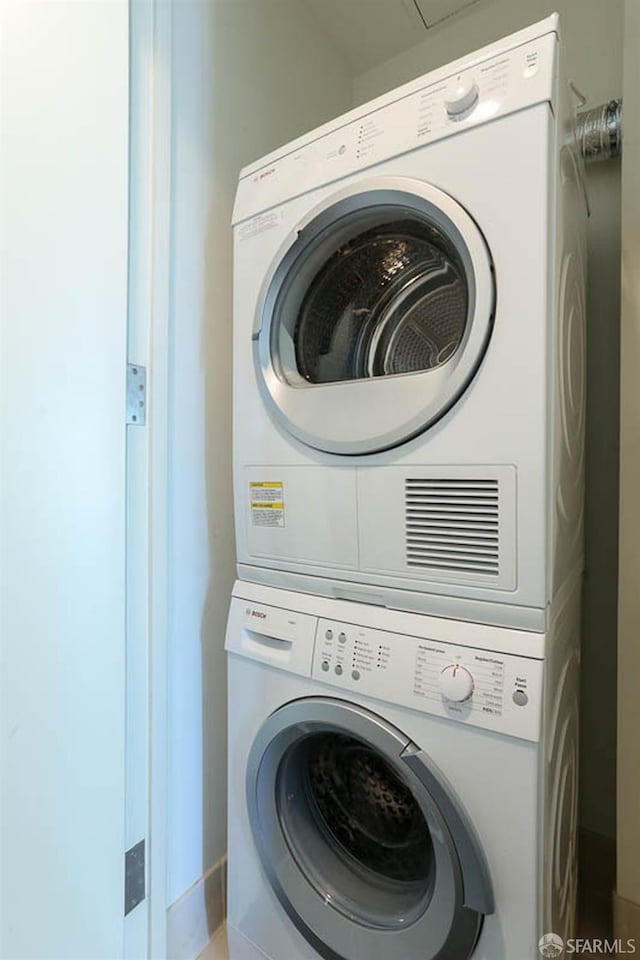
x=453, y=525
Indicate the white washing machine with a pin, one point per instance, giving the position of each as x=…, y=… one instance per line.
x=409, y=346
x=400, y=786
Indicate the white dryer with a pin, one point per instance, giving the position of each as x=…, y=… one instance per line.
x=409, y=346
x=400, y=786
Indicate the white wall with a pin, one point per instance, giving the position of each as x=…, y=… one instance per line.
x=592, y=40
x=248, y=75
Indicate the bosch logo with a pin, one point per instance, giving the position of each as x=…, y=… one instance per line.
x=263, y=174
x=258, y=613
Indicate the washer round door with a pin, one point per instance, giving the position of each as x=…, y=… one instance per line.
x=361, y=838
x=375, y=317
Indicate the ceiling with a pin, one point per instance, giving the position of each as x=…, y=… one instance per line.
x=368, y=32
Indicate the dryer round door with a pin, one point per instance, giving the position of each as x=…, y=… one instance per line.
x=374, y=317
x=362, y=840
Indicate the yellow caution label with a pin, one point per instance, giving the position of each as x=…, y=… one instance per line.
x=267, y=503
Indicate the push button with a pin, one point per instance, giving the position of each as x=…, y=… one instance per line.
x=329, y=634
x=342, y=638
x=339, y=669
x=355, y=674
x=520, y=698
x=325, y=665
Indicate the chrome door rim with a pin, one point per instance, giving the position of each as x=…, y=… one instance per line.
x=337, y=417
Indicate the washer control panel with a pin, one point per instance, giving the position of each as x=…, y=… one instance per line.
x=461, y=97
x=477, y=687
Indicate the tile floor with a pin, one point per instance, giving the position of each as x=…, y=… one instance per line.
x=216, y=949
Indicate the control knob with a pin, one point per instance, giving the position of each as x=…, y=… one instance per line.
x=460, y=97
x=456, y=683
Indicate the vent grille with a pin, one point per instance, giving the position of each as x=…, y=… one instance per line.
x=453, y=525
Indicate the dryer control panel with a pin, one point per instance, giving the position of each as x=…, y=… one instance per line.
x=470, y=92
x=477, y=687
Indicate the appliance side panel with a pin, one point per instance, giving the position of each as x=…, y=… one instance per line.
x=568, y=354
x=560, y=765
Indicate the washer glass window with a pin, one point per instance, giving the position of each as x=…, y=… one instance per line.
x=355, y=830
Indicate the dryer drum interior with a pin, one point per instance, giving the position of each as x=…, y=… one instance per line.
x=383, y=300
x=391, y=300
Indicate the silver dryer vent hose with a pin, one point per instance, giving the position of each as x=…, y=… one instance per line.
x=599, y=132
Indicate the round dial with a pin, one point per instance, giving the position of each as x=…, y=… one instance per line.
x=456, y=683
x=460, y=97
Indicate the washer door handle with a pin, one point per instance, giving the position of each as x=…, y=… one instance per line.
x=478, y=891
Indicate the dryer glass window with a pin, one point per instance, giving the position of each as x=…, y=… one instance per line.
x=384, y=292
x=355, y=830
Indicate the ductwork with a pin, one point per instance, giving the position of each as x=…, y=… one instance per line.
x=599, y=132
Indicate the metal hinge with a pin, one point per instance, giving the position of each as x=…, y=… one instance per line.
x=136, y=394
x=134, y=878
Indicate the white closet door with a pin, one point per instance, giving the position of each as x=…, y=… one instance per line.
x=64, y=69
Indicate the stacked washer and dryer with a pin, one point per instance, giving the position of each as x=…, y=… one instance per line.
x=403, y=637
